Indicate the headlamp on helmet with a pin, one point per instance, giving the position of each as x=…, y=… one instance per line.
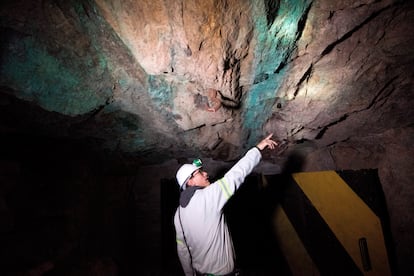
x=185, y=172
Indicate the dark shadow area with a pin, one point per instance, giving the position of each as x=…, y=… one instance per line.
x=65, y=210
x=169, y=202
x=249, y=216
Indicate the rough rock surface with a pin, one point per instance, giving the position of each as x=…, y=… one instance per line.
x=331, y=78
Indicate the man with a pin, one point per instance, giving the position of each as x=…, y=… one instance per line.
x=204, y=243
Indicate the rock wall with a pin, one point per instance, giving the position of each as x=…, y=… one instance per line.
x=162, y=81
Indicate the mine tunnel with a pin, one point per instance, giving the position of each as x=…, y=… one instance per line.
x=102, y=101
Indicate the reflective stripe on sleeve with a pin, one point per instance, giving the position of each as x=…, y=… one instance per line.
x=180, y=242
x=225, y=187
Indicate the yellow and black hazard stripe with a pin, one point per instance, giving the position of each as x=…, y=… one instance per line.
x=331, y=223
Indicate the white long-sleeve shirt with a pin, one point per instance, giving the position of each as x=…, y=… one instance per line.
x=201, y=227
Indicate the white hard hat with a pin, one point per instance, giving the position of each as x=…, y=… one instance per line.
x=185, y=171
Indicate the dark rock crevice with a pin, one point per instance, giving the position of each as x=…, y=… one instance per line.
x=302, y=22
x=325, y=128
x=272, y=7
x=305, y=77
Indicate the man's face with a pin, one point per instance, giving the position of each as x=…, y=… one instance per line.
x=199, y=178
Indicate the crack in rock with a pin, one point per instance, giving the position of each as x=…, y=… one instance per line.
x=306, y=76
x=377, y=98
x=325, y=128
x=347, y=35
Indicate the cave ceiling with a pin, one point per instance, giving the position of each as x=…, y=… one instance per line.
x=170, y=79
